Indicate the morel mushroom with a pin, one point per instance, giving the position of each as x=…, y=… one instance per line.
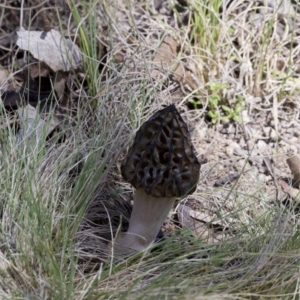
x=162, y=166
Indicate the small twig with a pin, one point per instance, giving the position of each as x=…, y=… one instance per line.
x=226, y=179
x=22, y=14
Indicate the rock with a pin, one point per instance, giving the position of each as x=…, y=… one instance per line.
x=262, y=146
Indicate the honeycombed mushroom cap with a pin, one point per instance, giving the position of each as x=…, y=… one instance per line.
x=162, y=159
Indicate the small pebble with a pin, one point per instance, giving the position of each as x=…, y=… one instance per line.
x=261, y=145
x=245, y=116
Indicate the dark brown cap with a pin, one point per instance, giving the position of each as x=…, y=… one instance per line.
x=162, y=159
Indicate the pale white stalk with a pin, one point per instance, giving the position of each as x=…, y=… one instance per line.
x=147, y=217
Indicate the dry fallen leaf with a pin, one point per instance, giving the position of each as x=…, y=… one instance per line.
x=291, y=191
x=167, y=61
x=294, y=165
x=38, y=70
x=199, y=229
x=165, y=56
x=200, y=224
x=50, y=47
x=60, y=85
x=32, y=126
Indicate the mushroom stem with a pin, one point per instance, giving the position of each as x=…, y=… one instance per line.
x=147, y=217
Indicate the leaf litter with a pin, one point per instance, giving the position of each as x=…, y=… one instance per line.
x=58, y=53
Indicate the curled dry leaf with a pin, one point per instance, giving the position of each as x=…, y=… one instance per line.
x=294, y=165
x=50, y=47
x=167, y=61
x=227, y=179
x=291, y=191
x=60, y=85
x=201, y=224
x=38, y=70
x=33, y=126
x=198, y=229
